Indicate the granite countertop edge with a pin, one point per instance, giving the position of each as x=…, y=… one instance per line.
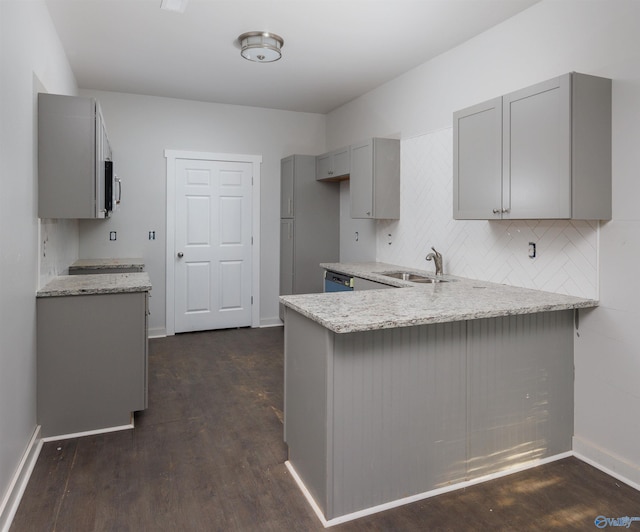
x=103, y=264
x=92, y=284
x=414, y=304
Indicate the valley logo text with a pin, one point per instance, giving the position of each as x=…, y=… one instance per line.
x=602, y=522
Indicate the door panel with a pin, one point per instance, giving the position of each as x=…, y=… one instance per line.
x=198, y=275
x=230, y=280
x=213, y=234
x=537, y=151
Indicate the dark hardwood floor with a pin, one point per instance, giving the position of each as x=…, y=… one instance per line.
x=208, y=456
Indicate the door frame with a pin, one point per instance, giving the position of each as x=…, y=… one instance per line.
x=256, y=161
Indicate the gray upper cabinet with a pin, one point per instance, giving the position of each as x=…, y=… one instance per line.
x=375, y=179
x=543, y=152
x=333, y=166
x=72, y=150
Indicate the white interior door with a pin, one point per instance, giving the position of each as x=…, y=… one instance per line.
x=213, y=256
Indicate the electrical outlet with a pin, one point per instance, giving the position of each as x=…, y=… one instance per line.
x=152, y=235
x=112, y=235
x=532, y=250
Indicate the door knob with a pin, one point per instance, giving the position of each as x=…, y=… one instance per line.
x=180, y=254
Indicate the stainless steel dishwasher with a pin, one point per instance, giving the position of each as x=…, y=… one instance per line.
x=337, y=282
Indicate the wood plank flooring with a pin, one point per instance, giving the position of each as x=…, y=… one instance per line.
x=208, y=456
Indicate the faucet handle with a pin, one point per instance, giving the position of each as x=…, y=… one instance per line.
x=436, y=256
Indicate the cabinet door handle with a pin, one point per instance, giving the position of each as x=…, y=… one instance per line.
x=505, y=211
x=180, y=254
x=496, y=211
x=368, y=213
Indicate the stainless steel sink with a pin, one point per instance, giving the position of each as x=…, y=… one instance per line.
x=413, y=277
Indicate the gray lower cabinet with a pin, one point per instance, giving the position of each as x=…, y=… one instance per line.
x=374, y=417
x=375, y=179
x=365, y=284
x=92, y=361
x=542, y=152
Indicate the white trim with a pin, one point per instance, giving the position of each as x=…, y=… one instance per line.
x=273, y=322
x=420, y=496
x=256, y=161
x=88, y=433
x=19, y=481
x=616, y=466
x=306, y=494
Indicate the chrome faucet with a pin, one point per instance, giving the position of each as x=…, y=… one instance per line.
x=437, y=258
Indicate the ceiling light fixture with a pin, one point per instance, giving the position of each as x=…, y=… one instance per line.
x=177, y=6
x=261, y=46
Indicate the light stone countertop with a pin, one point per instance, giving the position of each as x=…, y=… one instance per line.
x=420, y=304
x=99, y=283
x=110, y=264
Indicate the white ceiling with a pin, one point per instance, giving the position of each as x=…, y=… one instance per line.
x=334, y=50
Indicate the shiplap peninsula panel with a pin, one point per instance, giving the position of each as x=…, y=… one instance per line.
x=520, y=389
x=373, y=417
x=398, y=413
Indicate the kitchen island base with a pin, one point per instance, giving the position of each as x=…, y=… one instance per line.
x=377, y=418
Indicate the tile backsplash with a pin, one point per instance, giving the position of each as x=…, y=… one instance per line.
x=58, y=248
x=566, y=251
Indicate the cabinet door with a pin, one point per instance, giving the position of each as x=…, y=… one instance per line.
x=375, y=179
x=67, y=146
x=477, y=161
x=286, y=187
x=286, y=257
x=323, y=166
x=537, y=151
x=361, y=180
x=341, y=162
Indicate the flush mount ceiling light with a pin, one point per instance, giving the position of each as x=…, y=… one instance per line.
x=177, y=6
x=261, y=46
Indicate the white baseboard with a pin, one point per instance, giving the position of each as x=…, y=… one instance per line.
x=88, y=433
x=157, y=332
x=20, y=480
x=608, y=463
x=418, y=497
x=271, y=322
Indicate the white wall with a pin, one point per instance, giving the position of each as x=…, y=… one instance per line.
x=140, y=128
x=30, y=56
x=551, y=38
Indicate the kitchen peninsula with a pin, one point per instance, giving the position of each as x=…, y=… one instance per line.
x=393, y=395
